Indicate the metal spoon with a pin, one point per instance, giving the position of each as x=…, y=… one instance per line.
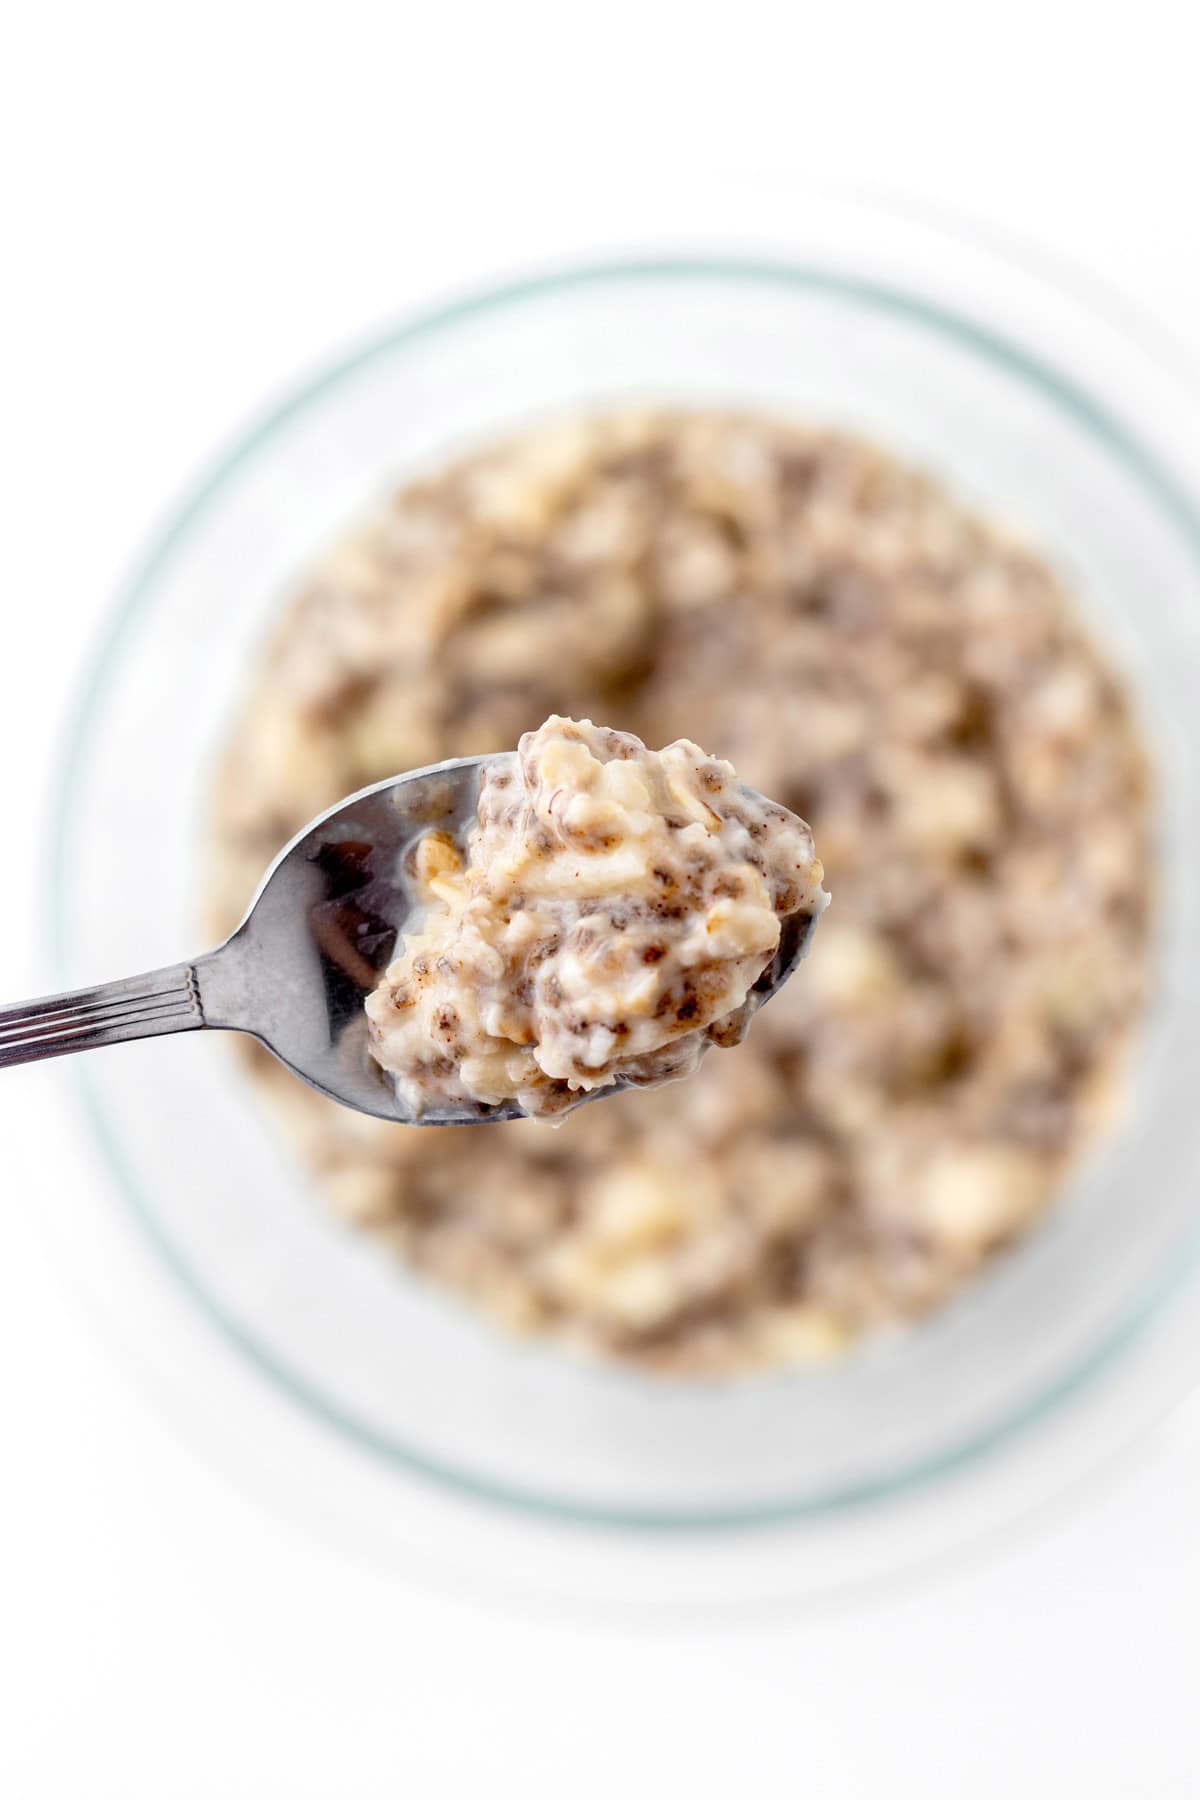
x=319, y=933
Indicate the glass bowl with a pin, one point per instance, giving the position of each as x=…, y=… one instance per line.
x=1029, y=404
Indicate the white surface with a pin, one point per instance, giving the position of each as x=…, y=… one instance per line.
x=206, y=204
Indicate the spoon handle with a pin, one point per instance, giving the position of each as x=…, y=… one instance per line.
x=141, y=1006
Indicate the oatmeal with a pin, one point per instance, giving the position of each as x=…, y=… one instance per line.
x=907, y=677
x=615, y=909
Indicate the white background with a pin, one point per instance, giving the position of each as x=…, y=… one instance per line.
x=198, y=202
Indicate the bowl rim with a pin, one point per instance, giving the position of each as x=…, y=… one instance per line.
x=136, y=596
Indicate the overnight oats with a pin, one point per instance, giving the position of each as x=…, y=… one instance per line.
x=910, y=679
x=607, y=925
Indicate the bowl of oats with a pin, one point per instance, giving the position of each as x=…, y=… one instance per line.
x=913, y=554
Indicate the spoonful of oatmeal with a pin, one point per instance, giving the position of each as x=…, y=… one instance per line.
x=494, y=937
